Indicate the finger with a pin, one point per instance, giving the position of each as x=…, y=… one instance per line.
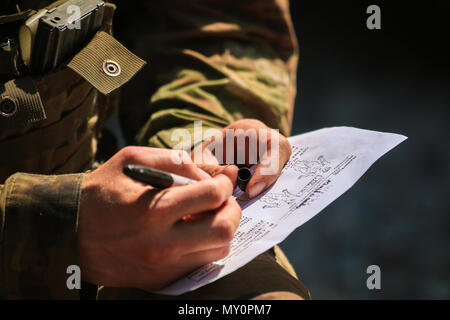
x=208, y=194
x=212, y=232
x=204, y=174
x=197, y=259
x=207, y=157
x=239, y=138
x=247, y=138
x=269, y=168
x=229, y=170
x=174, y=161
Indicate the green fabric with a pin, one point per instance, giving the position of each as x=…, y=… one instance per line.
x=216, y=61
x=38, y=243
x=262, y=275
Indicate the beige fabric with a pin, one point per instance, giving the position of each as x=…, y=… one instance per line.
x=90, y=61
x=278, y=295
x=283, y=261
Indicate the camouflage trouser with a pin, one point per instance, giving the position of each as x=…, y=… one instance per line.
x=268, y=276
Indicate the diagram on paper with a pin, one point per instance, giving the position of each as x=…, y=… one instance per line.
x=323, y=165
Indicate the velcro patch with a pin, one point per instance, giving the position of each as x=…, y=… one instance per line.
x=106, y=63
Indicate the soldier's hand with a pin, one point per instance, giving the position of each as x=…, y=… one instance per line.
x=270, y=161
x=132, y=235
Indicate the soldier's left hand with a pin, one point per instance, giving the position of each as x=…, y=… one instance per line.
x=270, y=152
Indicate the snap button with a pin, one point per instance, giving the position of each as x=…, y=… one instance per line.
x=111, y=68
x=8, y=107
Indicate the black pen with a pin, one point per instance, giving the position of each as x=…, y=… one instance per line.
x=154, y=177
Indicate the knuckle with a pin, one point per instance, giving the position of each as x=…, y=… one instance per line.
x=250, y=122
x=224, y=252
x=237, y=208
x=164, y=206
x=189, y=168
x=130, y=152
x=214, y=193
x=184, y=157
x=228, y=185
x=225, y=231
x=257, y=123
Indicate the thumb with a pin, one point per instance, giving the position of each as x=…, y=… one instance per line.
x=229, y=170
x=268, y=169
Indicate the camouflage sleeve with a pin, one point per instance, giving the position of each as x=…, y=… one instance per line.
x=38, y=235
x=212, y=60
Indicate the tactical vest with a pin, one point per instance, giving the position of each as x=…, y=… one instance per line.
x=49, y=123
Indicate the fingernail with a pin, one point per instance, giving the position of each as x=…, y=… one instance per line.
x=256, y=189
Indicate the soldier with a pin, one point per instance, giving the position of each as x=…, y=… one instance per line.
x=222, y=62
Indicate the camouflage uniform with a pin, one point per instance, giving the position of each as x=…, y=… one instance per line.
x=212, y=60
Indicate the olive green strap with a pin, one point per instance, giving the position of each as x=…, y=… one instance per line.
x=19, y=16
x=50, y=137
x=105, y=63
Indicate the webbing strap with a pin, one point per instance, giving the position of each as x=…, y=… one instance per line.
x=26, y=101
x=52, y=136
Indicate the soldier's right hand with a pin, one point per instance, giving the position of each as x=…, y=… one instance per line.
x=132, y=235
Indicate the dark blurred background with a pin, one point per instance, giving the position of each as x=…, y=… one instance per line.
x=397, y=80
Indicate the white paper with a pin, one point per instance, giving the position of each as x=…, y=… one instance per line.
x=324, y=164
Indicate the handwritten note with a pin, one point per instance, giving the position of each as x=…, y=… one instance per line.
x=324, y=164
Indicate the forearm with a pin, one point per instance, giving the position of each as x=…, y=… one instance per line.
x=38, y=235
